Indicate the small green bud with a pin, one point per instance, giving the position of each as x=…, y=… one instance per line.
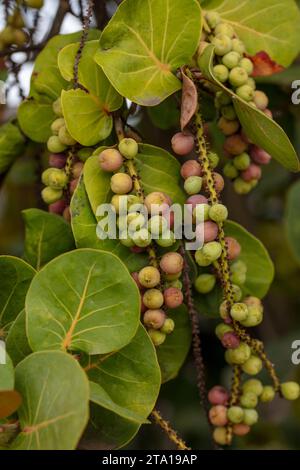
x=242, y=161
x=168, y=326
x=254, y=318
x=235, y=414
x=212, y=250
x=237, y=293
x=149, y=277
x=238, y=278
x=193, y=185
x=205, y=283
x=250, y=417
x=153, y=299
x=84, y=153
x=221, y=436
x=218, y=213
x=249, y=400
x=128, y=148
x=267, y=394
x=252, y=366
x=251, y=82
x=51, y=195
x=290, y=390
x=135, y=221
x=239, y=311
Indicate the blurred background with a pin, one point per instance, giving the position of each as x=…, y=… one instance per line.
x=271, y=212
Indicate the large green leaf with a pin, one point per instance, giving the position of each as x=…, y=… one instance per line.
x=11, y=145
x=166, y=114
x=260, y=129
x=292, y=219
x=46, y=236
x=172, y=353
x=143, y=45
x=263, y=25
x=88, y=115
x=83, y=300
x=131, y=377
x=16, y=341
x=55, y=394
x=35, y=116
x=15, y=278
x=7, y=374
x=84, y=225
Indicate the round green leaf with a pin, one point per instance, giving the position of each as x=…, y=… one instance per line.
x=35, y=117
x=15, y=278
x=131, y=377
x=16, y=341
x=260, y=129
x=46, y=236
x=292, y=219
x=173, y=352
x=166, y=114
x=11, y=145
x=55, y=394
x=263, y=25
x=83, y=300
x=143, y=45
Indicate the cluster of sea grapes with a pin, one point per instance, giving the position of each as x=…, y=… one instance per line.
x=146, y=220
x=14, y=33
x=234, y=69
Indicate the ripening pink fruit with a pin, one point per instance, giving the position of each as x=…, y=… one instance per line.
x=57, y=207
x=195, y=200
x=253, y=172
x=57, y=160
x=233, y=248
x=170, y=218
x=219, y=182
x=135, y=277
x=157, y=203
x=230, y=340
x=171, y=263
x=190, y=168
x=259, y=155
x=218, y=415
x=154, y=319
x=67, y=214
x=218, y=395
x=182, y=143
x=241, y=429
x=110, y=160
x=173, y=297
x=235, y=145
x=209, y=230
x=73, y=185
x=77, y=169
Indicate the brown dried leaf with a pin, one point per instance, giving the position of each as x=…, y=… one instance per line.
x=10, y=400
x=264, y=65
x=189, y=100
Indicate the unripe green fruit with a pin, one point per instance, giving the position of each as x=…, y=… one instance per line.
x=224, y=99
x=56, y=125
x=212, y=250
x=177, y=284
x=65, y=137
x=247, y=64
x=20, y=37
x=254, y=386
x=242, y=161
x=235, y=414
x=54, y=145
x=221, y=436
x=238, y=46
x=153, y=298
x=237, y=293
x=250, y=417
x=142, y=238
x=252, y=366
x=167, y=239
x=224, y=28
x=201, y=259
x=230, y=171
x=56, y=106
x=84, y=153
x=222, y=43
x=228, y=127
x=238, y=278
x=228, y=112
x=120, y=201
x=239, y=355
x=157, y=337
x=200, y=213
x=213, y=19
x=57, y=179
x=267, y=394
x=249, y=400
x=218, y=213
x=168, y=326
x=45, y=176
x=171, y=263
x=223, y=310
x=128, y=148
x=135, y=221
x=239, y=267
x=157, y=225
x=245, y=92
x=172, y=277
x=239, y=311
x=254, y=318
x=241, y=186
x=221, y=73
x=149, y=277
x=51, y=195
x=193, y=185
x=34, y=3
x=290, y=390
x=231, y=59
x=213, y=159
x=121, y=183
x=238, y=77
x=221, y=329
x=252, y=83
x=205, y=283
x=154, y=319
x=126, y=240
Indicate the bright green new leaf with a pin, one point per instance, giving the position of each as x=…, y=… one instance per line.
x=46, y=236
x=11, y=145
x=16, y=341
x=83, y=300
x=263, y=25
x=35, y=116
x=144, y=44
x=260, y=129
x=55, y=394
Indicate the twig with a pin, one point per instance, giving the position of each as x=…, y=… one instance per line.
x=165, y=426
x=84, y=35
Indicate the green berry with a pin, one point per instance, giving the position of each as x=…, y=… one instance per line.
x=231, y=59
x=205, y=283
x=242, y=161
x=212, y=18
x=230, y=171
x=57, y=124
x=157, y=337
x=84, y=153
x=153, y=298
x=252, y=83
x=193, y=185
x=228, y=112
x=250, y=417
x=239, y=311
x=223, y=310
x=212, y=250
x=126, y=240
x=128, y=148
x=222, y=43
x=168, y=326
x=290, y=390
x=252, y=366
x=213, y=159
x=218, y=213
x=237, y=293
x=221, y=436
x=254, y=386
x=200, y=213
x=223, y=98
x=142, y=238
x=221, y=329
x=239, y=267
x=238, y=46
x=166, y=240
x=255, y=317
x=121, y=183
x=241, y=186
x=135, y=221
x=228, y=127
x=249, y=400
x=221, y=73
x=149, y=277
x=57, y=179
x=54, y=145
x=240, y=355
x=224, y=28
x=65, y=137
x=45, y=176
x=51, y=195
x=235, y=414
x=238, y=278
x=177, y=284
x=267, y=394
x=247, y=64
x=245, y=92
x=56, y=106
x=238, y=77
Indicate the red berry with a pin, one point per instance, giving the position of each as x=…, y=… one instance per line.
x=233, y=248
x=235, y=145
x=137, y=249
x=173, y=297
x=195, y=200
x=190, y=168
x=230, y=340
x=57, y=207
x=253, y=172
x=218, y=415
x=218, y=395
x=182, y=143
x=259, y=155
x=209, y=230
x=57, y=160
x=241, y=429
x=154, y=319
